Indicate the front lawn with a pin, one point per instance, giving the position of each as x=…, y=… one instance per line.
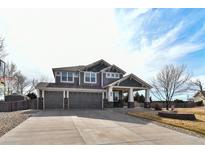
x=196, y=126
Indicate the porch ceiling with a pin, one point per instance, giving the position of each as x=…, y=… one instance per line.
x=122, y=88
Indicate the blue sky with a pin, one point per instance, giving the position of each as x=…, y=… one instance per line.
x=172, y=35
x=169, y=36
x=179, y=32
x=140, y=41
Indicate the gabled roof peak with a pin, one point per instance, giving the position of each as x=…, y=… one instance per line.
x=97, y=62
x=109, y=67
x=127, y=77
x=104, y=66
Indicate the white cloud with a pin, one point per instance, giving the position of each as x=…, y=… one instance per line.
x=135, y=13
x=39, y=39
x=162, y=49
x=168, y=38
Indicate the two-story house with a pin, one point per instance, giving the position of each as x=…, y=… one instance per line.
x=97, y=85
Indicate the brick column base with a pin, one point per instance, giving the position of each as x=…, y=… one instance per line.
x=130, y=105
x=40, y=103
x=65, y=103
x=108, y=104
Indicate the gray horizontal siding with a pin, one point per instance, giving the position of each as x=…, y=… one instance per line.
x=97, y=85
x=130, y=83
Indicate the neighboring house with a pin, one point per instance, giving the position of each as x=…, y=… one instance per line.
x=97, y=85
x=199, y=96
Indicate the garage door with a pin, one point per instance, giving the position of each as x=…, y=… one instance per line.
x=53, y=100
x=84, y=100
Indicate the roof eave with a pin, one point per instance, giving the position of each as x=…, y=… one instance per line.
x=122, y=71
x=94, y=63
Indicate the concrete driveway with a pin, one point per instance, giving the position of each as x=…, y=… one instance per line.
x=92, y=127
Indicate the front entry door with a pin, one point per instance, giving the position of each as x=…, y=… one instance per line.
x=117, y=100
x=116, y=96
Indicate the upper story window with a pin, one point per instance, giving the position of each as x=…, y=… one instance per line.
x=112, y=75
x=67, y=77
x=117, y=75
x=90, y=77
x=76, y=74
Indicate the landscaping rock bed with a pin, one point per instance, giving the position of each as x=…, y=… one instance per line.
x=9, y=120
x=175, y=115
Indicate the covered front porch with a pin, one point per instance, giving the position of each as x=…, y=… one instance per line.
x=117, y=92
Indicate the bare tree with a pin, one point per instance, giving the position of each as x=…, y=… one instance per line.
x=32, y=85
x=35, y=81
x=43, y=78
x=21, y=82
x=170, y=81
x=196, y=85
x=10, y=70
x=3, y=54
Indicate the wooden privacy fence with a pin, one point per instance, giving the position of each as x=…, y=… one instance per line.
x=176, y=105
x=18, y=105
x=163, y=104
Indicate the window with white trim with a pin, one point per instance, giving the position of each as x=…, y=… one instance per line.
x=117, y=75
x=76, y=74
x=67, y=77
x=90, y=77
x=112, y=75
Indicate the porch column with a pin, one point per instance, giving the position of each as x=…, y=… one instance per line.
x=110, y=94
x=147, y=95
x=43, y=99
x=130, y=96
x=64, y=97
x=106, y=95
x=103, y=100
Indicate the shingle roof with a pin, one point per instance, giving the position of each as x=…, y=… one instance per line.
x=96, y=62
x=202, y=92
x=42, y=85
x=109, y=67
x=80, y=67
x=71, y=68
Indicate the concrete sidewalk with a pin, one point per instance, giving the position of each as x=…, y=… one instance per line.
x=92, y=127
